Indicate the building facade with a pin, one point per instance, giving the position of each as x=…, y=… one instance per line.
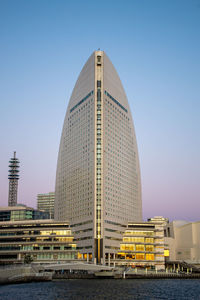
x=142, y=246
x=46, y=202
x=183, y=241
x=13, y=177
x=45, y=241
x=20, y=213
x=98, y=186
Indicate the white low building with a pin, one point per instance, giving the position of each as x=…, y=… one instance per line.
x=183, y=240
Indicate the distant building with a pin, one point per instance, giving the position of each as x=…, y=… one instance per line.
x=43, y=240
x=20, y=213
x=46, y=202
x=183, y=241
x=13, y=177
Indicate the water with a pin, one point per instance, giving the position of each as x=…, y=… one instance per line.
x=92, y=289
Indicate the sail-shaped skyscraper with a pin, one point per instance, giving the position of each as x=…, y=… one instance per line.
x=98, y=186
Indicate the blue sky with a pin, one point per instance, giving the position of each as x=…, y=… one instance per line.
x=155, y=47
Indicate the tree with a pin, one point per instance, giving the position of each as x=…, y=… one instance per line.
x=28, y=259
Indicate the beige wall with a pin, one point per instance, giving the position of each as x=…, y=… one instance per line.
x=185, y=245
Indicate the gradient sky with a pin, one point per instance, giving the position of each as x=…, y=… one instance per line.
x=155, y=47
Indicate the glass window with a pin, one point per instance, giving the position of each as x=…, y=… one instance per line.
x=140, y=256
x=139, y=247
x=149, y=248
x=149, y=256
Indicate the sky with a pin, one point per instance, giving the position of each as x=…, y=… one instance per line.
x=155, y=47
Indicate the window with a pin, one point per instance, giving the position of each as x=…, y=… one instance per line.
x=140, y=256
x=98, y=60
x=149, y=248
x=56, y=248
x=149, y=256
x=139, y=247
x=149, y=240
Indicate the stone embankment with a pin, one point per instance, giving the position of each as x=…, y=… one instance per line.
x=158, y=276
x=22, y=274
x=34, y=273
x=128, y=276
x=119, y=274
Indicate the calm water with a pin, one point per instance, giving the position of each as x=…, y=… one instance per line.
x=104, y=289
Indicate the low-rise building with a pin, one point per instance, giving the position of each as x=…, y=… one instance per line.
x=42, y=240
x=142, y=245
x=183, y=240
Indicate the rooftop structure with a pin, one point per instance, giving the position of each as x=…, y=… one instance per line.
x=159, y=219
x=98, y=186
x=20, y=213
x=13, y=177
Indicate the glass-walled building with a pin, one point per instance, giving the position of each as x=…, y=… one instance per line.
x=21, y=212
x=42, y=240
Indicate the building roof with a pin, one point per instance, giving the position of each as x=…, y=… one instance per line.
x=17, y=207
x=41, y=221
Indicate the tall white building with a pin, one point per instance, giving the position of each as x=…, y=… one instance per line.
x=98, y=188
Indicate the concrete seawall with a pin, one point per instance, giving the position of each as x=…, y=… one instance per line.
x=37, y=273
x=22, y=274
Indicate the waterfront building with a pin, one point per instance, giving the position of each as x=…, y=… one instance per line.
x=46, y=202
x=98, y=187
x=13, y=177
x=183, y=241
x=45, y=241
x=21, y=212
x=142, y=246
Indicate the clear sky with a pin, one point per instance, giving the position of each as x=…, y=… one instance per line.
x=155, y=47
